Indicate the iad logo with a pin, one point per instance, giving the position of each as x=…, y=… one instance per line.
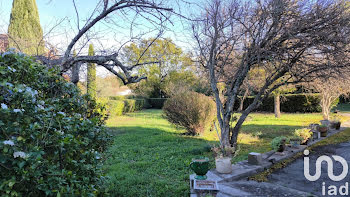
x=331, y=190
x=329, y=169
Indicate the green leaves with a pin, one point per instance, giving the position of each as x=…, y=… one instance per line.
x=47, y=125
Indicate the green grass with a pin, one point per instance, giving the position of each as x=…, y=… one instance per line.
x=150, y=157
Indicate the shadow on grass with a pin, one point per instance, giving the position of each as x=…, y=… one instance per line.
x=152, y=161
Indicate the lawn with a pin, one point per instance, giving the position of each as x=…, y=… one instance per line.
x=150, y=157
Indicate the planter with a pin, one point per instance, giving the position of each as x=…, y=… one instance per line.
x=223, y=165
x=295, y=143
x=335, y=125
x=325, y=122
x=200, y=166
x=322, y=129
x=314, y=127
x=316, y=135
x=324, y=134
x=281, y=148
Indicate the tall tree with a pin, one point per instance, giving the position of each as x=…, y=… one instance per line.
x=25, y=33
x=287, y=38
x=164, y=61
x=91, y=75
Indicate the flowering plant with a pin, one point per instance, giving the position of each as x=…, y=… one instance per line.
x=51, y=136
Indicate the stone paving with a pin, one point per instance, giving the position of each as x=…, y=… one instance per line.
x=236, y=184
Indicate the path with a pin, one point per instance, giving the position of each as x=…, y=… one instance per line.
x=290, y=181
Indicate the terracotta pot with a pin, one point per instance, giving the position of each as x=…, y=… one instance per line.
x=322, y=129
x=223, y=165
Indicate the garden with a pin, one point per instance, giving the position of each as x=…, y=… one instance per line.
x=113, y=100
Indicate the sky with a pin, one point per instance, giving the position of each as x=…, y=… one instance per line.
x=51, y=12
x=59, y=22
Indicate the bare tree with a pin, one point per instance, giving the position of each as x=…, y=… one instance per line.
x=331, y=89
x=109, y=12
x=287, y=38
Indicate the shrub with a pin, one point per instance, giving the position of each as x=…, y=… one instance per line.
x=116, y=97
x=193, y=111
x=120, y=107
x=115, y=107
x=157, y=103
x=277, y=142
x=51, y=136
x=129, y=105
x=291, y=103
x=304, y=133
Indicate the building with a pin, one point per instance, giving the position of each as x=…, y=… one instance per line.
x=4, y=42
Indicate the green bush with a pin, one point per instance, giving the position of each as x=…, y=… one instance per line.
x=52, y=138
x=157, y=103
x=120, y=107
x=115, y=107
x=193, y=111
x=291, y=103
x=277, y=142
x=129, y=105
x=116, y=97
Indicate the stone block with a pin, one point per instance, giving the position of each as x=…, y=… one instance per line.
x=254, y=158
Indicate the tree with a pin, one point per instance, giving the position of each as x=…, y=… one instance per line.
x=277, y=98
x=91, y=75
x=131, y=15
x=166, y=61
x=25, y=33
x=331, y=89
x=287, y=38
x=75, y=70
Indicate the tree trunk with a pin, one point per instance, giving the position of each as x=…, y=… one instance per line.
x=242, y=99
x=277, y=105
x=75, y=73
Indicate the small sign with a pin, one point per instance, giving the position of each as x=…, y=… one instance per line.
x=206, y=185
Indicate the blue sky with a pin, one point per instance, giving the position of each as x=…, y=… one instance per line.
x=51, y=11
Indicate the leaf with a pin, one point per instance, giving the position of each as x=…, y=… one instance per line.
x=11, y=184
x=58, y=194
x=20, y=165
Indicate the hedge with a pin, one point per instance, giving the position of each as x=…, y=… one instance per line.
x=117, y=106
x=290, y=103
x=157, y=103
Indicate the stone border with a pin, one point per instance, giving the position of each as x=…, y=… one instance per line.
x=242, y=169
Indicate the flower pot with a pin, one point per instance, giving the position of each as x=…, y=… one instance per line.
x=281, y=148
x=325, y=122
x=322, y=129
x=336, y=125
x=324, y=134
x=223, y=165
x=200, y=166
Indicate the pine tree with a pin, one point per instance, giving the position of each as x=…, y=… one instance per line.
x=91, y=75
x=25, y=32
